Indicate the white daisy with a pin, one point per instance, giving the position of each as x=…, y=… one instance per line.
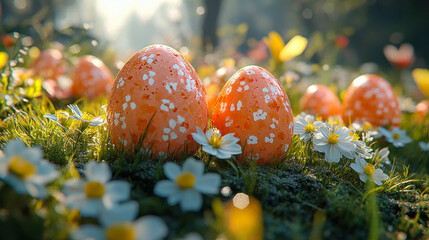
x=95, y=193
x=186, y=185
x=24, y=169
x=366, y=170
x=362, y=150
x=305, y=126
x=397, y=136
x=118, y=224
x=384, y=155
x=57, y=119
x=78, y=115
x=214, y=144
x=366, y=127
x=334, y=143
x=424, y=146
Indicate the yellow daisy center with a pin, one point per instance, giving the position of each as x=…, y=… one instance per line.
x=396, y=135
x=94, y=189
x=355, y=136
x=333, y=138
x=185, y=180
x=87, y=117
x=22, y=167
x=121, y=231
x=369, y=169
x=309, y=128
x=367, y=126
x=215, y=139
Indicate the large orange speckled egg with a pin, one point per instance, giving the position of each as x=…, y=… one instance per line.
x=371, y=99
x=91, y=78
x=320, y=100
x=255, y=107
x=422, y=109
x=49, y=64
x=157, y=81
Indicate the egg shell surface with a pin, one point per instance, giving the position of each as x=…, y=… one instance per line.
x=91, y=78
x=370, y=98
x=49, y=64
x=255, y=107
x=320, y=100
x=157, y=82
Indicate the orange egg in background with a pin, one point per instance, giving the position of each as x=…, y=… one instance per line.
x=157, y=82
x=320, y=100
x=370, y=98
x=255, y=107
x=212, y=91
x=91, y=78
x=422, y=109
x=49, y=64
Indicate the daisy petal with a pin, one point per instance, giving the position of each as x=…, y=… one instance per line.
x=191, y=200
x=118, y=191
x=171, y=170
x=193, y=166
x=125, y=212
x=99, y=172
x=209, y=183
x=151, y=228
x=165, y=188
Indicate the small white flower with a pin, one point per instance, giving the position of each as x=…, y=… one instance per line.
x=384, y=155
x=118, y=223
x=55, y=118
x=214, y=144
x=24, y=169
x=95, y=193
x=78, y=115
x=424, y=146
x=362, y=150
x=186, y=185
x=305, y=126
x=397, y=136
x=366, y=170
x=335, y=143
x=366, y=128
x=367, y=137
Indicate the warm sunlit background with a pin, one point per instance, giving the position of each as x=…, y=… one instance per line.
x=129, y=25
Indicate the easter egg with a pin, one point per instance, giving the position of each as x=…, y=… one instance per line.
x=255, y=107
x=157, y=90
x=371, y=99
x=91, y=78
x=422, y=109
x=49, y=64
x=320, y=100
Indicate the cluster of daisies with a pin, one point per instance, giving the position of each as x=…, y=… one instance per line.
x=336, y=141
x=108, y=202
x=95, y=196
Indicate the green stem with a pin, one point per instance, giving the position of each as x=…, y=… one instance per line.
x=372, y=212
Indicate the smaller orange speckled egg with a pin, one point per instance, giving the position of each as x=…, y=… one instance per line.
x=371, y=99
x=91, y=78
x=422, y=109
x=157, y=90
x=320, y=100
x=49, y=64
x=255, y=107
